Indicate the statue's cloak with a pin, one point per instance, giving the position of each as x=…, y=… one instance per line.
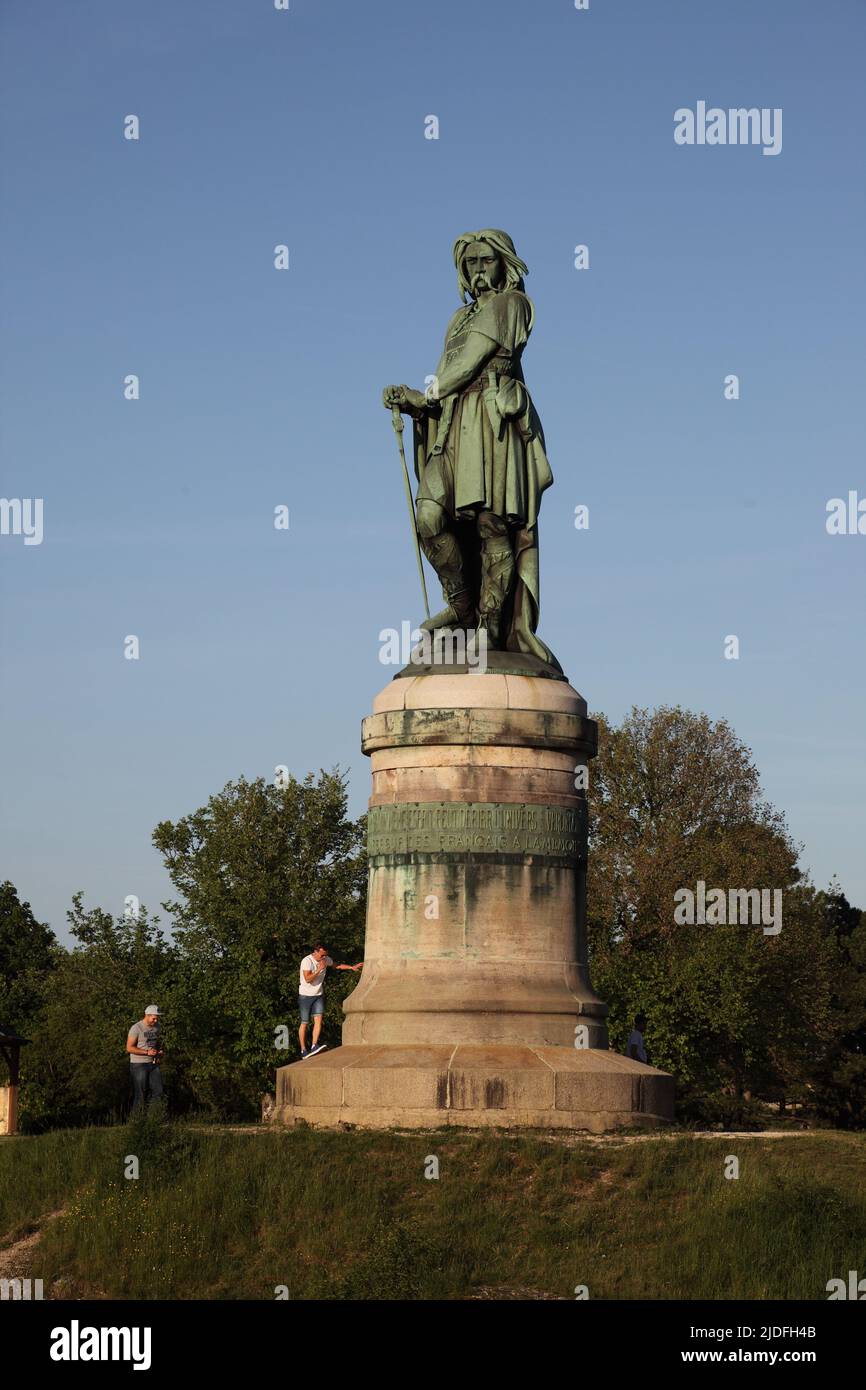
x=483, y=450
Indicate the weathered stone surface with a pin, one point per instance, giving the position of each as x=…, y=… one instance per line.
x=540, y=829
x=473, y=1086
x=473, y=785
x=452, y=692
x=473, y=774
x=499, y=1078
x=500, y=961
x=522, y=728
x=414, y=1078
x=528, y=693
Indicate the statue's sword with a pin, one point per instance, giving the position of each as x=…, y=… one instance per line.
x=397, y=422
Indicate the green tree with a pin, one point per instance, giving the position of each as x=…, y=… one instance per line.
x=28, y=954
x=675, y=798
x=840, y=1090
x=262, y=871
x=77, y=1070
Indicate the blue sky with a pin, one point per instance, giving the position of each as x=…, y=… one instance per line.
x=258, y=388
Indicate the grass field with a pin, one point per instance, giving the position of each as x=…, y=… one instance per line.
x=351, y=1215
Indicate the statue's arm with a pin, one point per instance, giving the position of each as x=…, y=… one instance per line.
x=460, y=371
x=464, y=368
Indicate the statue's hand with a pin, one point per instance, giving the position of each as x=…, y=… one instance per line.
x=404, y=398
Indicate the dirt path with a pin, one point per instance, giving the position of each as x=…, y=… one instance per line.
x=20, y=1260
x=17, y=1260
x=668, y=1136
x=569, y=1137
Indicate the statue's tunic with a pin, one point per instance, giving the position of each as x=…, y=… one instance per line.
x=485, y=450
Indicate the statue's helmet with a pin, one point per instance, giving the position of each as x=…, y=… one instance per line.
x=501, y=243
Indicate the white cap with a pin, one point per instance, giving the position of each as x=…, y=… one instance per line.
x=151, y=1009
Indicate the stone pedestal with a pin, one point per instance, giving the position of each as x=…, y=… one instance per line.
x=475, y=1005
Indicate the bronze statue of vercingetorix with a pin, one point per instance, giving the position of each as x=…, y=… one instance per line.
x=479, y=451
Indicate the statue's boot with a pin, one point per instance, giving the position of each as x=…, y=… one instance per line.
x=443, y=552
x=457, y=613
x=497, y=576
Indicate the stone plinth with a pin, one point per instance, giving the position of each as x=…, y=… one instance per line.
x=475, y=1005
x=417, y=1087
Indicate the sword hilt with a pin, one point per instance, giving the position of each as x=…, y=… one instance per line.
x=397, y=419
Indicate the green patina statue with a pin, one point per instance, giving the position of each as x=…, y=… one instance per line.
x=479, y=454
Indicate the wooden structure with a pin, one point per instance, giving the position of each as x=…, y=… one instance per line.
x=10, y=1048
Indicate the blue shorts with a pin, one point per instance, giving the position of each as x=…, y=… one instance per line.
x=310, y=1004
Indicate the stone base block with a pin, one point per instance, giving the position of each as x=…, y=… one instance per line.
x=476, y=1086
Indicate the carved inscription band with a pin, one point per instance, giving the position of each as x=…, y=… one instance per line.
x=514, y=829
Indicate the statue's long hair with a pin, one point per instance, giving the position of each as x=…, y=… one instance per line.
x=501, y=242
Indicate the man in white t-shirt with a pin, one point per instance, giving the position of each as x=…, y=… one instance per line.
x=311, y=995
x=634, y=1048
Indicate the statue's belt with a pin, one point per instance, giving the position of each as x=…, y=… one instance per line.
x=488, y=384
x=491, y=377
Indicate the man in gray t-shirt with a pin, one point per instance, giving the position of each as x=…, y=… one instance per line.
x=145, y=1050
